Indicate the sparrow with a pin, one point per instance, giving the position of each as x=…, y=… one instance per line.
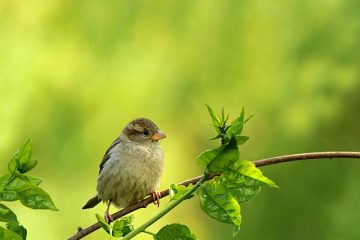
x=131, y=167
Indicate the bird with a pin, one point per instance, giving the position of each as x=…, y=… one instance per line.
x=131, y=167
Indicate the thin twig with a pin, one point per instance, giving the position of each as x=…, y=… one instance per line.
x=259, y=163
x=306, y=156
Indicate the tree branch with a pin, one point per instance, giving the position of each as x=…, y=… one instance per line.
x=259, y=163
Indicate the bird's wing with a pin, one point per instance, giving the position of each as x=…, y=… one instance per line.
x=107, y=154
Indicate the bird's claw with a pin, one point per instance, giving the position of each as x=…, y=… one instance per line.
x=107, y=217
x=156, y=197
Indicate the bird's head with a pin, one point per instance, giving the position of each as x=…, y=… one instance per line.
x=143, y=130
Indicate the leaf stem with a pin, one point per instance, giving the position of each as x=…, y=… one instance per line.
x=150, y=233
x=167, y=209
x=110, y=233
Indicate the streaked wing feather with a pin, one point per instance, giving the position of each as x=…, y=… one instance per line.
x=107, y=154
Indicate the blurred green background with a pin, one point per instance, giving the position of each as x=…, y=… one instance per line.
x=73, y=73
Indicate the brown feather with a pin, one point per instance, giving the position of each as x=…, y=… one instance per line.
x=107, y=154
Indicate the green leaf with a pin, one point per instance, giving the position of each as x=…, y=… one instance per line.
x=19, y=229
x=36, y=198
x=27, y=166
x=216, y=137
x=206, y=157
x=218, y=203
x=21, y=161
x=215, y=119
x=243, y=190
x=33, y=180
x=220, y=158
x=12, y=185
x=6, y=234
x=223, y=119
x=13, y=165
x=248, y=169
x=174, y=231
x=9, y=195
x=6, y=194
x=120, y=228
x=123, y=226
x=6, y=215
x=18, y=183
x=24, y=188
x=176, y=191
x=4, y=180
x=103, y=223
x=240, y=140
x=236, y=126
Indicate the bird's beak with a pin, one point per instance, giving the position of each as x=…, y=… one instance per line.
x=158, y=135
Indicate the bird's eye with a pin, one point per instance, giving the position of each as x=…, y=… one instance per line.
x=146, y=132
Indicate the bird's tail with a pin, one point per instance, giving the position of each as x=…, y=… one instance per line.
x=92, y=202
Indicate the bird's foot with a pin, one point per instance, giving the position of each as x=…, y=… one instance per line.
x=107, y=217
x=156, y=197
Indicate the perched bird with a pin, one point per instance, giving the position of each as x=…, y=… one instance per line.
x=131, y=168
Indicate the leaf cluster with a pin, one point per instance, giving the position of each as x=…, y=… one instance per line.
x=226, y=131
x=16, y=185
x=119, y=228
x=238, y=182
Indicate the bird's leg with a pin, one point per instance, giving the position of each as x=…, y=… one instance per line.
x=107, y=215
x=156, y=197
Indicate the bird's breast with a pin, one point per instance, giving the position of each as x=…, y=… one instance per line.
x=132, y=172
